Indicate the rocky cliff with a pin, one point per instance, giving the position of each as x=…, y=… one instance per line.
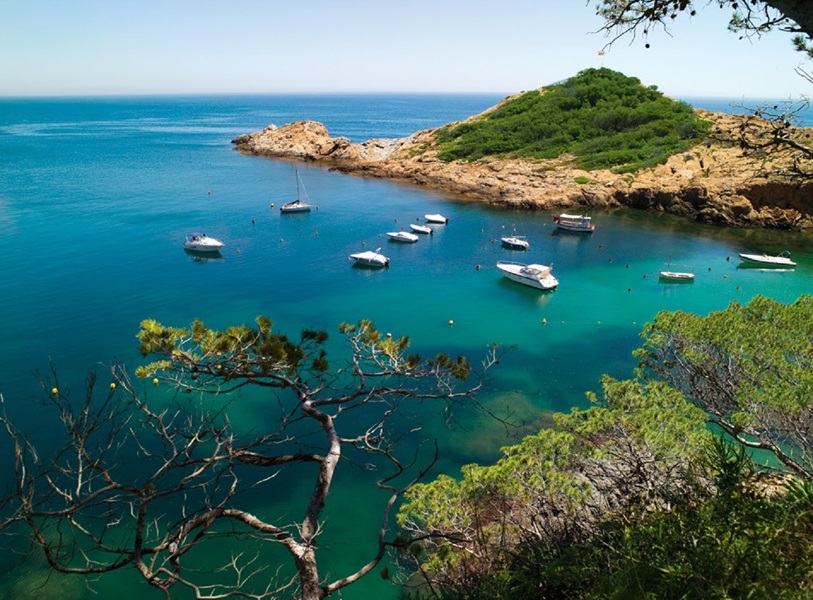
x=713, y=182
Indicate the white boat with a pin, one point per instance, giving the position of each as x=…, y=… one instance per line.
x=402, y=236
x=574, y=222
x=200, y=242
x=436, y=219
x=766, y=260
x=371, y=258
x=668, y=274
x=681, y=276
x=517, y=242
x=421, y=228
x=298, y=205
x=533, y=275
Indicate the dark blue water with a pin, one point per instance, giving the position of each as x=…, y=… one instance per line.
x=96, y=196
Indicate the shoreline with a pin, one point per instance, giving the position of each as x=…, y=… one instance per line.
x=712, y=183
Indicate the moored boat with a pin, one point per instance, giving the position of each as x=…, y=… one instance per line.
x=533, y=275
x=675, y=276
x=436, y=218
x=516, y=242
x=297, y=205
x=767, y=260
x=421, y=228
x=200, y=242
x=402, y=236
x=371, y=258
x=580, y=223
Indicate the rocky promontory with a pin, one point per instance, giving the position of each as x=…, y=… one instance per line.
x=714, y=182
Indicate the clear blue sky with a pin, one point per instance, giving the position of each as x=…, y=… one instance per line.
x=91, y=47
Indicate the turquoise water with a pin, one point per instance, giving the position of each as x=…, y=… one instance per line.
x=97, y=194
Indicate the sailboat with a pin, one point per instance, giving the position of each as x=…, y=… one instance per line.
x=298, y=205
x=668, y=274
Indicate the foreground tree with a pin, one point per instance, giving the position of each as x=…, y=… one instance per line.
x=750, y=17
x=637, y=450
x=163, y=487
x=749, y=367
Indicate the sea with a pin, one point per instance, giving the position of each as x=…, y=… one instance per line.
x=97, y=194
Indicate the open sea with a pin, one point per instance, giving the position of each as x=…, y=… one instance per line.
x=96, y=195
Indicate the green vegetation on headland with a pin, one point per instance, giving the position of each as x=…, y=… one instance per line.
x=604, y=118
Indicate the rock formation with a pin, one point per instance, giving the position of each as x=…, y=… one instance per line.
x=712, y=183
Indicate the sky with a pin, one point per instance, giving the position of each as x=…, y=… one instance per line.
x=113, y=47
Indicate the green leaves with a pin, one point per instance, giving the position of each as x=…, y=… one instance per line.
x=606, y=119
x=750, y=367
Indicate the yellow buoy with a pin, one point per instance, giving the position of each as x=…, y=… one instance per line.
x=544, y=321
x=54, y=391
x=155, y=381
x=451, y=322
x=112, y=386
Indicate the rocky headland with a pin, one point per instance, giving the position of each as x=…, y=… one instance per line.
x=714, y=182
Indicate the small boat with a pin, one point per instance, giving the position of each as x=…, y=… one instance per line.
x=421, y=228
x=517, y=242
x=402, y=236
x=200, y=242
x=436, y=219
x=297, y=205
x=678, y=276
x=668, y=274
x=574, y=223
x=533, y=275
x=766, y=260
x=371, y=258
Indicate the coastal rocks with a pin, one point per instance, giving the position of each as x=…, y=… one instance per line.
x=712, y=183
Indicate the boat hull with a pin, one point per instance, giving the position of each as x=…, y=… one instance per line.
x=436, y=219
x=403, y=236
x=295, y=208
x=676, y=276
x=515, y=243
x=765, y=260
x=577, y=223
x=200, y=242
x=370, y=258
x=421, y=229
x=535, y=276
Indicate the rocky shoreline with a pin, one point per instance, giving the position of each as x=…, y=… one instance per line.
x=712, y=183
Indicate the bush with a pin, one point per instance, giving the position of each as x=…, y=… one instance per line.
x=604, y=118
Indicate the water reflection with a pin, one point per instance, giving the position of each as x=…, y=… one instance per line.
x=203, y=257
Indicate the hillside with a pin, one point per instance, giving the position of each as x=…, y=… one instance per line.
x=659, y=155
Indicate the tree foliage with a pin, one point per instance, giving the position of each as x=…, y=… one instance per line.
x=605, y=119
x=748, y=17
x=635, y=450
x=749, y=367
x=158, y=487
x=635, y=497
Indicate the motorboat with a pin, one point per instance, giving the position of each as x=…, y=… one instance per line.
x=402, y=236
x=299, y=205
x=676, y=276
x=767, y=260
x=421, y=229
x=580, y=223
x=436, y=219
x=672, y=275
x=533, y=275
x=371, y=258
x=516, y=242
x=200, y=242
